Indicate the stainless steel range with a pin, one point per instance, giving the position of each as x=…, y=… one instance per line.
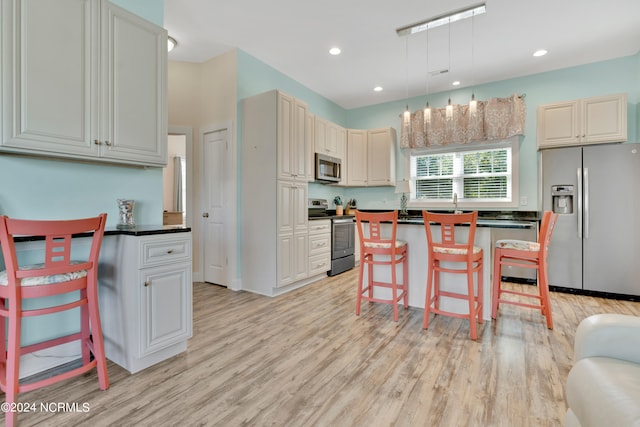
x=343, y=229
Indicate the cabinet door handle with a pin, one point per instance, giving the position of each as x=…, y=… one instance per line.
x=96, y=142
x=147, y=283
x=107, y=143
x=170, y=251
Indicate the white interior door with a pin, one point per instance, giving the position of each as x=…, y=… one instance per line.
x=216, y=198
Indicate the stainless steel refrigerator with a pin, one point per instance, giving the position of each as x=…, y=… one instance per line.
x=596, y=242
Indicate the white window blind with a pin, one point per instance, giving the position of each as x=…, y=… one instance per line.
x=473, y=175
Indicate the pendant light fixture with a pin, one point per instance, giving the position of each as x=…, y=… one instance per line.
x=445, y=19
x=406, y=116
x=449, y=109
x=427, y=108
x=473, y=104
x=425, y=25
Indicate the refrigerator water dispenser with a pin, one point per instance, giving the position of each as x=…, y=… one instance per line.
x=562, y=198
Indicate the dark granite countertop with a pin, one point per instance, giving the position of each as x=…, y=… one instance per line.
x=493, y=219
x=491, y=223
x=330, y=216
x=490, y=215
x=146, y=230
x=138, y=230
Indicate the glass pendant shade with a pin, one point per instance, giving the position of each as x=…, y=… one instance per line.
x=406, y=117
x=473, y=105
x=449, y=111
x=427, y=114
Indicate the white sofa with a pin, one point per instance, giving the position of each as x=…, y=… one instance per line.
x=603, y=387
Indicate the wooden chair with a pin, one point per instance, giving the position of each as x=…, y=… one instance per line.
x=448, y=250
x=376, y=250
x=521, y=253
x=57, y=274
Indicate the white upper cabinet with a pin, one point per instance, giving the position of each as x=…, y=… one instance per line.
x=50, y=76
x=294, y=140
x=329, y=138
x=134, y=64
x=356, y=169
x=584, y=121
x=371, y=157
x=381, y=157
x=83, y=79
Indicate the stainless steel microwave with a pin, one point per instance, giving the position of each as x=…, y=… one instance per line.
x=328, y=169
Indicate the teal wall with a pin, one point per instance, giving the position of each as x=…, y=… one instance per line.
x=620, y=75
x=601, y=78
x=254, y=77
x=45, y=188
x=56, y=189
x=39, y=188
x=151, y=10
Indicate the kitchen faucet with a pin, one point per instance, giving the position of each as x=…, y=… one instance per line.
x=455, y=203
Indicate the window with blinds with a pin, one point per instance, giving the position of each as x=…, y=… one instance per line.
x=473, y=175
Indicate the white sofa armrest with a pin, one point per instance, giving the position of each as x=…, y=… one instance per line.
x=608, y=335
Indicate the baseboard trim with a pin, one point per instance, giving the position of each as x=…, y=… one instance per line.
x=44, y=360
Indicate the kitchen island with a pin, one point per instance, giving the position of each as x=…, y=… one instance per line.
x=411, y=230
x=145, y=296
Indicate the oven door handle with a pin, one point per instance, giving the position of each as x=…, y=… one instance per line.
x=343, y=220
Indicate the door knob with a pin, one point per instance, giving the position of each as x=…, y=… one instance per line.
x=205, y=215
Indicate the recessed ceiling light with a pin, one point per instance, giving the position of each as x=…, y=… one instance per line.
x=378, y=89
x=540, y=52
x=456, y=83
x=335, y=51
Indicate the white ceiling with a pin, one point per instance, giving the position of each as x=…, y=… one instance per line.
x=294, y=37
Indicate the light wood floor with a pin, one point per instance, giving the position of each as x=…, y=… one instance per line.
x=305, y=359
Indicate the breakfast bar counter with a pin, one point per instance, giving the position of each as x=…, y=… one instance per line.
x=145, y=296
x=412, y=231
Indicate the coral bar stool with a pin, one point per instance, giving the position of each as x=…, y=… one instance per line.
x=376, y=250
x=449, y=251
x=521, y=253
x=57, y=274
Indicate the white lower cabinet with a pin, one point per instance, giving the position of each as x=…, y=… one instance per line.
x=145, y=294
x=319, y=246
x=165, y=299
x=293, y=236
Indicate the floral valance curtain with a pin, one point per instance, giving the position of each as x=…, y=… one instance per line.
x=496, y=118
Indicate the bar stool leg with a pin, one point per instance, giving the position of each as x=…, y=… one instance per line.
x=428, y=298
x=480, y=280
x=394, y=290
x=360, y=285
x=497, y=276
x=545, y=299
x=98, y=339
x=405, y=277
x=13, y=360
x=472, y=303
